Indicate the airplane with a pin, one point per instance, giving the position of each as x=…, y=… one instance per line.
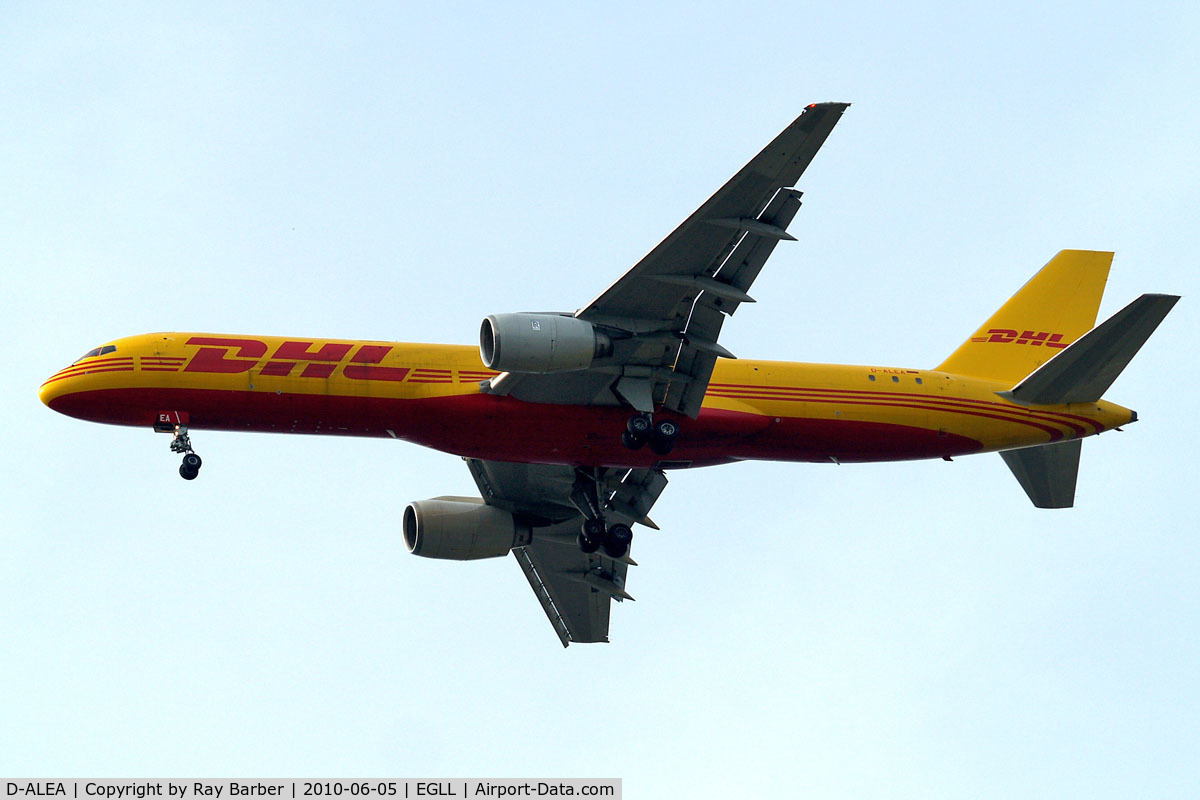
x=570, y=422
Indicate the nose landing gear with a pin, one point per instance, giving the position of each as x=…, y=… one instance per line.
x=190, y=467
x=182, y=443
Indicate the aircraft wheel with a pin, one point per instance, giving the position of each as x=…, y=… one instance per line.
x=188, y=474
x=666, y=429
x=631, y=441
x=192, y=462
x=639, y=425
x=662, y=440
x=617, y=540
x=591, y=535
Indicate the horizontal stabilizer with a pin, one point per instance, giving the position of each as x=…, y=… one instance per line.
x=1047, y=472
x=1083, y=372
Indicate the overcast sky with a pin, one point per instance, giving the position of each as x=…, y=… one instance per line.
x=399, y=171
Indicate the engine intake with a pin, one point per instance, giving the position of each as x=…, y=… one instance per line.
x=540, y=343
x=461, y=529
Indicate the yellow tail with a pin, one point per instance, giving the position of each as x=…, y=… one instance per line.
x=1052, y=310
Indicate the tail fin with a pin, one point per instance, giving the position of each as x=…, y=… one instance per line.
x=1052, y=310
x=1080, y=374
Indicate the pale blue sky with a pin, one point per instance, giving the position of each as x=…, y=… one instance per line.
x=399, y=171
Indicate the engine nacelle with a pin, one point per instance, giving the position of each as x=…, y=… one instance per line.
x=461, y=529
x=540, y=343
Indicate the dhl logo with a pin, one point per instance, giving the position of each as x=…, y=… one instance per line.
x=229, y=356
x=1006, y=336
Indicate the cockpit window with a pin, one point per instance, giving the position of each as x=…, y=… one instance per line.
x=98, y=351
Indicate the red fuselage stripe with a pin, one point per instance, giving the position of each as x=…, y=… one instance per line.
x=106, y=369
x=818, y=395
x=80, y=368
x=1055, y=433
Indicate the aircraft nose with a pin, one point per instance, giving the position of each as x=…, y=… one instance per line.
x=54, y=387
x=74, y=389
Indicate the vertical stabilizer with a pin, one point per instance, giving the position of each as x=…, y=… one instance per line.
x=1052, y=310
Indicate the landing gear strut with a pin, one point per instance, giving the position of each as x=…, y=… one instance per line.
x=595, y=532
x=182, y=443
x=642, y=429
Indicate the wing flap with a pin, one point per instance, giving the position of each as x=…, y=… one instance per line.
x=694, y=365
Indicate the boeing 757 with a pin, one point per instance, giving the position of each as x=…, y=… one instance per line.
x=570, y=422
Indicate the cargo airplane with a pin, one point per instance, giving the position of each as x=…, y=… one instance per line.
x=569, y=422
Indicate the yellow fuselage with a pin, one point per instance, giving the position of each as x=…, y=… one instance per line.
x=430, y=394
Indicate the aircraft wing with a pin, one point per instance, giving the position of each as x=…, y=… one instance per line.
x=575, y=589
x=665, y=314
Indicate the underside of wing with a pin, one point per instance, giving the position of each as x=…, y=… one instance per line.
x=662, y=318
x=575, y=588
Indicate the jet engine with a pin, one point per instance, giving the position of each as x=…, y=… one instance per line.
x=461, y=529
x=540, y=343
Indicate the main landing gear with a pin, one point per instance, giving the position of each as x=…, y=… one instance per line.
x=595, y=532
x=182, y=443
x=641, y=429
x=615, y=539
